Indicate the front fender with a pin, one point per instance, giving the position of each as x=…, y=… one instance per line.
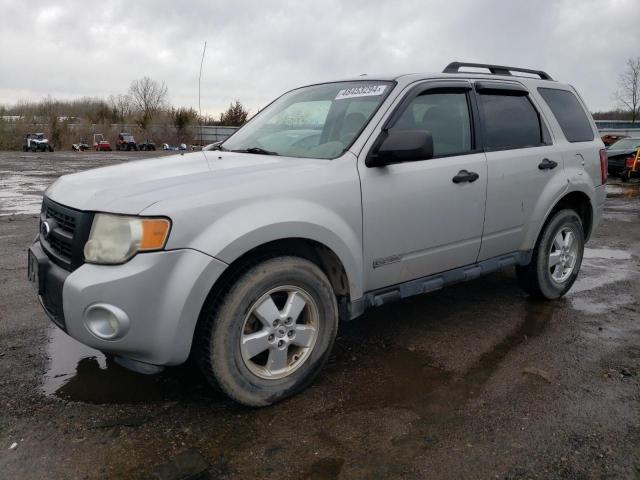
x=250, y=226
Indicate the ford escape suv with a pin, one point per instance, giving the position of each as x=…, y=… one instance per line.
x=335, y=198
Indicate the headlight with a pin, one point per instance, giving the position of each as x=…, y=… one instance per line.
x=115, y=238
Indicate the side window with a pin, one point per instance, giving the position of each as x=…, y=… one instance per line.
x=445, y=115
x=569, y=113
x=510, y=121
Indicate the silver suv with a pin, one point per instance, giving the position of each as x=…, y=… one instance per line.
x=335, y=198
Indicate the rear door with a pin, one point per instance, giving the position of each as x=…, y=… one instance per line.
x=521, y=163
x=417, y=220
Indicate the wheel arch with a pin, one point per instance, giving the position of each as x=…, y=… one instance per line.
x=316, y=252
x=578, y=201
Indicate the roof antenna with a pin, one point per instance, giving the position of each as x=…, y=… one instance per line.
x=199, y=81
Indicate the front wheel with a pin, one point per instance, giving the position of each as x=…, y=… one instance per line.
x=556, y=258
x=270, y=335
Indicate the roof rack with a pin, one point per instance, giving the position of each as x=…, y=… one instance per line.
x=454, y=67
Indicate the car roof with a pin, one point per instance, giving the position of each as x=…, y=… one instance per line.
x=407, y=78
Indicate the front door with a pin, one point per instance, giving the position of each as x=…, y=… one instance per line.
x=424, y=217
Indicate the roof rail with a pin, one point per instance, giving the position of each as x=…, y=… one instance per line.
x=454, y=67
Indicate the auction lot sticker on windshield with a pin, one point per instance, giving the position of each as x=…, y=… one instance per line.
x=361, y=91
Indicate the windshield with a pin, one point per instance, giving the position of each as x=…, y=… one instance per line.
x=626, y=144
x=320, y=121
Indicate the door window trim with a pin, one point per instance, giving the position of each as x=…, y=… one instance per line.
x=498, y=88
x=458, y=86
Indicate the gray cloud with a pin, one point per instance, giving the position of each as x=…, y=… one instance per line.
x=258, y=49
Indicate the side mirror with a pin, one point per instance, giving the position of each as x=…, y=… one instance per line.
x=401, y=146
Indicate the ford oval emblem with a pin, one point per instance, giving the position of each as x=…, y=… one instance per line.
x=45, y=229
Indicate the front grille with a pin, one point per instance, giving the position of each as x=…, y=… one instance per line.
x=68, y=231
x=66, y=222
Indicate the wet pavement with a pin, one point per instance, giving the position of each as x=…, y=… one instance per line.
x=474, y=381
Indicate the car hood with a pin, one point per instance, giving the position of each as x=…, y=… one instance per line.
x=131, y=187
x=621, y=151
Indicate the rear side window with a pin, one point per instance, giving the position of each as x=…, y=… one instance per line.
x=569, y=113
x=510, y=121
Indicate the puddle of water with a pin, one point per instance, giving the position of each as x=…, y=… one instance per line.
x=620, y=216
x=606, y=253
x=76, y=372
x=629, y=190
x=21, y=193
x=603, y=266
x=597, y=308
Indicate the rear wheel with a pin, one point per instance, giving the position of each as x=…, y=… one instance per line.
x=271, y=333
x=556, y=258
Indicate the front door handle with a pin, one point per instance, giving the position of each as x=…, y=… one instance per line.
x=547, y=164
x=465, y=176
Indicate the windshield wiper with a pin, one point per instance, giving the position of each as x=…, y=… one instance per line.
x=257, y=150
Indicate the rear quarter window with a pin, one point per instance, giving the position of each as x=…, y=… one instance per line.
x=569, y=112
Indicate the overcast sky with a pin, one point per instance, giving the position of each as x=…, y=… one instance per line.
x=258, y=49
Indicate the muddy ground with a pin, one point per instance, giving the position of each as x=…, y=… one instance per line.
x=475, y=381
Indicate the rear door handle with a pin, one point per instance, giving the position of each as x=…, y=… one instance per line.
x=547, y=164
x=465, y=176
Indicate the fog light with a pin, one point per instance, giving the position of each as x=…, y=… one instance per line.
x=107, y=322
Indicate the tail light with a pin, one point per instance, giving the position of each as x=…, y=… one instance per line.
x=604, y=166
x=629, y=161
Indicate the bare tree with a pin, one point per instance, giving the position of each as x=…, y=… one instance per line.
x=122, y=105
x=628, y=93
x=148, y=97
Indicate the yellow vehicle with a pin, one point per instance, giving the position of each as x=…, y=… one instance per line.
x=631, y=166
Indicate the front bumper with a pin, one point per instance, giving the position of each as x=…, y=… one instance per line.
x=161, y=293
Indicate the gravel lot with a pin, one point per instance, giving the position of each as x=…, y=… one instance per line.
x=475, y=381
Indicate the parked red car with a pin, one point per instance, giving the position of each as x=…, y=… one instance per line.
x=100, y=144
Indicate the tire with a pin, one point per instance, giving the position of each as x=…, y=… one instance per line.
x=50, y=148
x=249, y=378
x=537, y=278
x=624, y=176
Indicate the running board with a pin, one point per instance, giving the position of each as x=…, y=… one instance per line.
x=382, y=296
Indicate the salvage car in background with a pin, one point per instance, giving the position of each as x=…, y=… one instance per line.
x=147, y=145
x=81, y=146
x=100, y=144
x=174, y=148
x=36, y=142
x=126, y=142
x=609, y=139
x=622, y=157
